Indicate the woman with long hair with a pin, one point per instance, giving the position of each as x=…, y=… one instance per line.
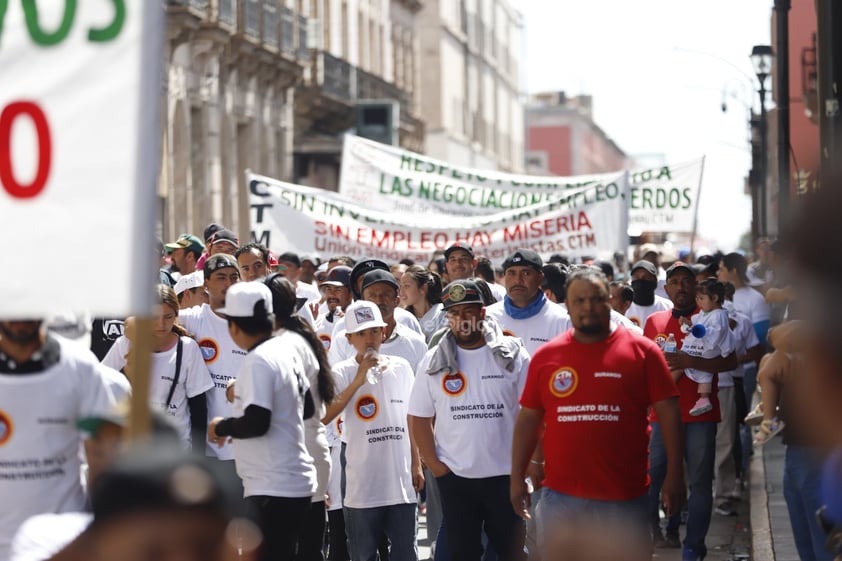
x=178, y=377
x=300, y=336
x=420, y=294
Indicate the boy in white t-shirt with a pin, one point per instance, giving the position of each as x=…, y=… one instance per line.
x=382, y=469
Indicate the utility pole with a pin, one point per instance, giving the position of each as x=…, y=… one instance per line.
x=782, y=27
x=829, y=55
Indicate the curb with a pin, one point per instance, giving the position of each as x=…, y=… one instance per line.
x=761, y=530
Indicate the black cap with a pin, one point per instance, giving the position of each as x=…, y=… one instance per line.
x=524, y=258
x=647, y=266
x=378, y=275
x=290, y=257
x=464, y=291
x=211, y=229
x=338, y=276
x=159, y=477
x=363, y=267
x=225, y=235
x=458, y=246
x=680, y=266
x=219, y=261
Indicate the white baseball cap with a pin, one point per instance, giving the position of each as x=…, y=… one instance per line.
x=362, y=315
x=247, y=300
x=186, y=282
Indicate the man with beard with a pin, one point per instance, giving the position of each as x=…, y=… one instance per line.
x=644, y=282
x=46, y=384
x=337, y=294
x=469, y=386
x=699, y=431
x=590, y=389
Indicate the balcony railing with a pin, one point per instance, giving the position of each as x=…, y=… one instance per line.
x=271, y=29
x=227, y=13
x=197, y=5
x=302, y=37
x=287, y=31
x=264, y=22
x=250, y=18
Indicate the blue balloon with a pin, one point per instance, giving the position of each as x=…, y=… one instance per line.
x=698, y=331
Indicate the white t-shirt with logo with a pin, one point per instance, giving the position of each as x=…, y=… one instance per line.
x=40, y=464
x=193, y=379
x=475, y=410
x=378, y=458
x=276, y=464
x=550, y=321
x=638, y=314
x=404, y=343
x=315, y=433
x=222, y=357
x=324, y=330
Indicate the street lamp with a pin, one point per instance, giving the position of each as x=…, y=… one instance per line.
x=762, y=57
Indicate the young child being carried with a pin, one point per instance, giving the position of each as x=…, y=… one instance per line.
x=708, y=336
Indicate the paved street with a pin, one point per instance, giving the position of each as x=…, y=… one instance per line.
x=731, y=538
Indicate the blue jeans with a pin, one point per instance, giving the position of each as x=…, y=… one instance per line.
x=802, y=473
x=657, y=473
x=556, y=510
x=366, y=527
x=699, y=455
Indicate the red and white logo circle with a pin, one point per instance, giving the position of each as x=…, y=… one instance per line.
x=366, y=408
x=6, y=428
x=564, y=382
x=454, y=384
x=210, y=350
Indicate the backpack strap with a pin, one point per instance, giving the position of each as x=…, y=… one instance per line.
x=178, y=352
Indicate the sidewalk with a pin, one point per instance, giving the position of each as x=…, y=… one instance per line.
x=772, y=536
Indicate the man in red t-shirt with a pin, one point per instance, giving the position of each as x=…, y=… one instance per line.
x=699, y=431
x=591, y=388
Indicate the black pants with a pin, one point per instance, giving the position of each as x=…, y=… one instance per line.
x=471, y=505
x=338, y=539
x=312, y=540
x=281, y=519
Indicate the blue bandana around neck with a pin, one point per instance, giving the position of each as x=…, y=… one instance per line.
x=524, y=313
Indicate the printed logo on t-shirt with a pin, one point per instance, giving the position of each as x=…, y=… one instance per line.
x=325, y=339
x=454, y=384
x=563, y=383
x=210, y=350
x=366, y=408
x=635, y=321
x=6, y=428
x=660, y=339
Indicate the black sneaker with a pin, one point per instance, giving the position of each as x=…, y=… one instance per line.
x=672, y=541
x=726, y=509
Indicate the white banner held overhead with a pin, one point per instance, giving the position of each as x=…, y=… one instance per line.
x=287, y=217
x=78, y=154
x=391, y=179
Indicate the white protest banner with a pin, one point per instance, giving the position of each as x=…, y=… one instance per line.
x=391, y=179
x=287, y=217
x=79, y=138
x=665, y=199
